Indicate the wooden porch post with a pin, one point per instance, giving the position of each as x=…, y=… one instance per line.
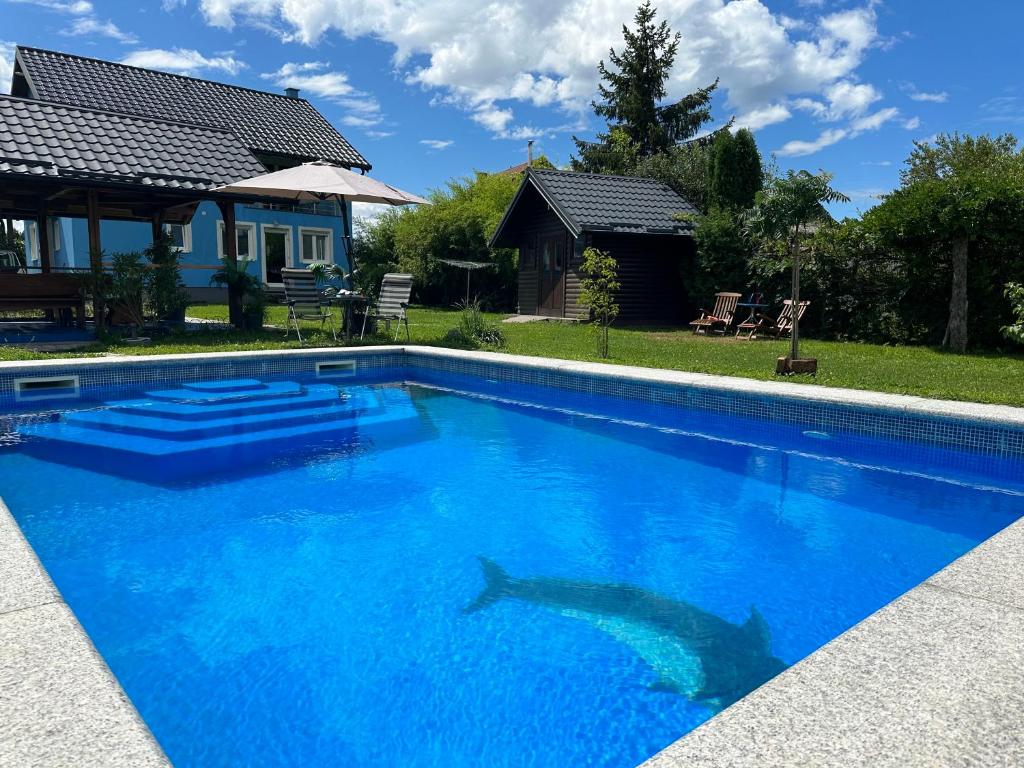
x=158, y=225
x=92, y=210
x=227, y=212
x=43, y=232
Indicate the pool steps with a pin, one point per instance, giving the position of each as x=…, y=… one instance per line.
x=217, y=423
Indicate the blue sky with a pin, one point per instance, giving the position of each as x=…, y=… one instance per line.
x=430, y=89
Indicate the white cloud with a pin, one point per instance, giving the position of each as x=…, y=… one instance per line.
x=940, y=97
x=756, y=119
x=487, y=57
x=797, y=148
x=379, y=134
x=6, y=65
x=314, y=77
x=857, y=126
x=879, y=163
x=367, y=213
x=90, y=25
x=85, y=21
x=437, y=144
x=875, y=120
x=912, y=124
x=75, y=7
x=182, y=61
x=310, y=77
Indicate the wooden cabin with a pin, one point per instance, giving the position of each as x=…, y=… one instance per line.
x=556, y=215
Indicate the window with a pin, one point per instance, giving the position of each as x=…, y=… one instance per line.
x=181, y=236
x=315, y=245
x=245, y=239
x=32, y=239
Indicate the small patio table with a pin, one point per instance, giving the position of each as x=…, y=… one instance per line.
x=754, y=308
x=347, y=301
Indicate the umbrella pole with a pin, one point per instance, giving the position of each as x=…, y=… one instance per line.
x=346, y=239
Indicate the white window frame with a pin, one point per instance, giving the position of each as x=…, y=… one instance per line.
x=289, y=260
x=31, y=235
x=330, y=244
x=186, y=236
x=239, y=225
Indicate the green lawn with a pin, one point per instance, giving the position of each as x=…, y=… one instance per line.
x=987, y=378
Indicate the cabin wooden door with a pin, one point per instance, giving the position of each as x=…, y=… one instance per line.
x=551, y=274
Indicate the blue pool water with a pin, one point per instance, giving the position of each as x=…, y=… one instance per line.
x=470, y=582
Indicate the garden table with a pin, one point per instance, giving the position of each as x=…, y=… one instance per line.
x=347, y=300
x=754, y=308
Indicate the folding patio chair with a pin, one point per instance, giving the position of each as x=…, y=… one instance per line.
x=395, y=292
x=305, y=301
x=720, y=318
x=779, y=327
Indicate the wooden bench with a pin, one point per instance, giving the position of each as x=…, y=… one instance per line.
x=45, y=291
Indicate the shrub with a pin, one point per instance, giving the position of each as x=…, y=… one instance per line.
x=474, y=328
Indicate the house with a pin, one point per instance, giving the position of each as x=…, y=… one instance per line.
x=556, y=215
x=170, y=139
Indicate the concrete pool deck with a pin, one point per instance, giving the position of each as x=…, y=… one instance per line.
x=936, y=677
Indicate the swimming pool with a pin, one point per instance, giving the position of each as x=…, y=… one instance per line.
x=465, y=571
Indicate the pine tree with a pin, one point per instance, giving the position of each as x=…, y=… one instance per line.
x=736, y=175
x=632, y=91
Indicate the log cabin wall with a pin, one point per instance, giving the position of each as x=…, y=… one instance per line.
x=533, y=222
x=651, y=273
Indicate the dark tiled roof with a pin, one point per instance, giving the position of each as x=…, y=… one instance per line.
x=593, y=202
x=42, y=139
x=266, y=122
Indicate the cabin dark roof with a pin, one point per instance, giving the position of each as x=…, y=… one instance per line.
x=590, y=202
x=54, y=140
x=267, y=123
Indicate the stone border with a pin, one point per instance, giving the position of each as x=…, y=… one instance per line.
x=934, y=678
x=59, y=703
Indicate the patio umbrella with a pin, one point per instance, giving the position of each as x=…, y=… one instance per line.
x=318, y=181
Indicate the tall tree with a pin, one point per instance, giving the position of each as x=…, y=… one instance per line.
x=632, y=90
x=783, y=210
x=961, y=196
x=736, y=175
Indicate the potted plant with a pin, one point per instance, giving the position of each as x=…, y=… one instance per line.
x=254, y=306
x=234, y=276
x=127, y=294
x=167, y=293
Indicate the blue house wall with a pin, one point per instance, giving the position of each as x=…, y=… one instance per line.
x=201, y=260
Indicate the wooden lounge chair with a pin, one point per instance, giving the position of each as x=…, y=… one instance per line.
x=305, y=301
x=720, y=318
x=395, y=292
x=780, y=327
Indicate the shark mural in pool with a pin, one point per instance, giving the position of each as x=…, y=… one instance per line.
x=694, y=653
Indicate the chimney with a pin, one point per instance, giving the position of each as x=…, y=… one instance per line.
x=291, y=93
x=529, y=153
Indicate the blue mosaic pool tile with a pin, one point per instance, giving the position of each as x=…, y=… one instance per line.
x=960, y=434
x=98, y=380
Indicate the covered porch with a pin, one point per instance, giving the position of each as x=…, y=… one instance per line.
x=59, y=162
